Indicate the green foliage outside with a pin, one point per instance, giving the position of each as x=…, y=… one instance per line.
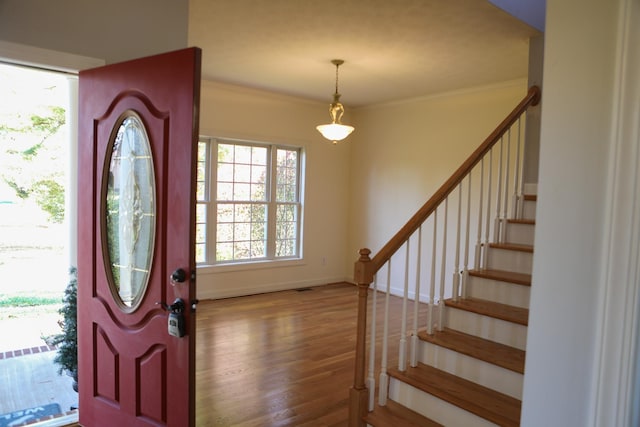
x=30, y=159
x=27, y=300
x=67, y=341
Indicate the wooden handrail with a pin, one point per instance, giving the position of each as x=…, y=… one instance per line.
x=532, y=99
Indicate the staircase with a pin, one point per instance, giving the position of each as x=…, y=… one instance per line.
x=471, y=372
x=463, y=262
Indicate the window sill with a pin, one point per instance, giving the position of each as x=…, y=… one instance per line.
x=249, y=266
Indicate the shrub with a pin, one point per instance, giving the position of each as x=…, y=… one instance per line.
x=67, y=341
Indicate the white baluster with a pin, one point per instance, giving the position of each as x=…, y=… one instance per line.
x=476, y=261
x=517, y=194
x=456, y=273
x=443, y=267
x=463, y=292
x=402, y=350
x=488, y=216
x=503, y=224
x=371, y=380
x=432, y=285
x=521, y=187
x=496, y=227
x=384, y=377
x=416, y=303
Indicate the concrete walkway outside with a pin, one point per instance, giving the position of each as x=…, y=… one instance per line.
x=32, y=380
x=29, y=379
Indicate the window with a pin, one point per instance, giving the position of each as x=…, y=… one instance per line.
x=255, y=204
x=202, y=192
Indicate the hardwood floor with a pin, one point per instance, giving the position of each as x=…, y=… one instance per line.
x=278, y=359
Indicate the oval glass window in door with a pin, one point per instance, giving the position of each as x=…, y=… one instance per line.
x=129, y=217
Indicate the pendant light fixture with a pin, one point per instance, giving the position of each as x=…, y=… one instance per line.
x=335, y=131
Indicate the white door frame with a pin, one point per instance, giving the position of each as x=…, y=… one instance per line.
x=21, y=54
x=617, y=388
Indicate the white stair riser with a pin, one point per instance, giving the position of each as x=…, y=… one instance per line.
x=510, y=260
x=432, y=407
x=501, y=331
x=520, y=234
x=529, y=209
x=472, y=369
x=495, y=290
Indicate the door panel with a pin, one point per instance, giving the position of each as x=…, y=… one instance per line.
x=131, y=371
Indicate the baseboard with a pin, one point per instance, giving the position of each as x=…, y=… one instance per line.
x=210, y=293
x=399, y=292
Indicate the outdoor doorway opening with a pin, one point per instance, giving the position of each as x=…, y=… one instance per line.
x=36, y=164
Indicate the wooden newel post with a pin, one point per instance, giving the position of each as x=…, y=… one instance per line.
x=358, y=394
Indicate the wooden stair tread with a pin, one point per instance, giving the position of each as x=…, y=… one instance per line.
x=522, y=221
x=512, y=247
x=482, y=401
x=393, y=415
x=496, y=310
x=531, y=197
x=503, y=276
x=489, y=351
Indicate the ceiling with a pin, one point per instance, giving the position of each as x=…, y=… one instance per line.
x=393, y=49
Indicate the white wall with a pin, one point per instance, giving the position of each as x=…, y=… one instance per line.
x=402, y=152
x=577, y=103
x=235, y=112
x=114, y=30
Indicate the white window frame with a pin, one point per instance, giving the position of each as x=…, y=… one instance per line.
x=211, y=203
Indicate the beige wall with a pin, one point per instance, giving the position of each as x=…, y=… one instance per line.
x=532, y=140
x=235, y=112
x=110, y=30
x=402, y=152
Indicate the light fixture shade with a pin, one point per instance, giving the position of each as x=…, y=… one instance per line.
x=335, y=132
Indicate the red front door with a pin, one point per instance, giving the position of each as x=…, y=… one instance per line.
x=138, y=133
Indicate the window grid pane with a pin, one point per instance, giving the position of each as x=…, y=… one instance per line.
x=287, y=176
x=202, y=172
x=242, y=173
x=241, y=231
x=242, y=202
x=202, y=197
x=286, y=230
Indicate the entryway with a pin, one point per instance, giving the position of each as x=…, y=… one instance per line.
x=34, y=242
